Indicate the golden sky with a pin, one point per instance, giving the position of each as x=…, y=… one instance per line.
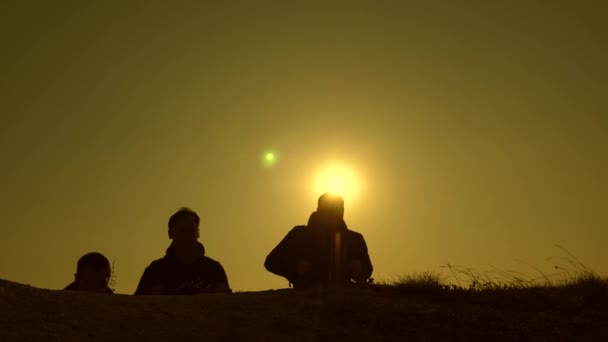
x=471, y=132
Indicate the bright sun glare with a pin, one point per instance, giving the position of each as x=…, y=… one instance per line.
x=338, y=180
x=336, y=184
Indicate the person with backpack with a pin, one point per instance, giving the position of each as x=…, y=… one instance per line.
x=324, y=252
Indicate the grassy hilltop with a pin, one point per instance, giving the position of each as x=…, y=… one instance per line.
x=415, y=308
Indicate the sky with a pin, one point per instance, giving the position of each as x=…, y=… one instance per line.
x=468, y=133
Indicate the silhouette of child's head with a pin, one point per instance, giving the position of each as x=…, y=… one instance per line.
x=93, y=272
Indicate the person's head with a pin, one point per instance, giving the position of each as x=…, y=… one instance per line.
x=183, y=227
x=93, y=272
x=330, y=206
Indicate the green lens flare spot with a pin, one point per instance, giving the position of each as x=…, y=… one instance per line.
x=269, y=159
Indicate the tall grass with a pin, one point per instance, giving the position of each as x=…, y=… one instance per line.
x=574, y=274
x=428, y=281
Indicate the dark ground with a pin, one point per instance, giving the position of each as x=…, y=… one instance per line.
x=378, y=313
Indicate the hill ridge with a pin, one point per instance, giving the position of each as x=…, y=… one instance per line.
x=376, y=313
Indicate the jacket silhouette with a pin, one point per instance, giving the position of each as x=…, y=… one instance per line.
x=330, y=249
x=168, y=276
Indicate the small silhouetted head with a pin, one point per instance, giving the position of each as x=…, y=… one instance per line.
x=183, y=226
x=331, y=206
x=93, y=272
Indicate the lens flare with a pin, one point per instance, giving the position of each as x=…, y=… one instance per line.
x=269, y=159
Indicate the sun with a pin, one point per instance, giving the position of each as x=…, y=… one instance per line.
x=336, y=184
x=339, y=180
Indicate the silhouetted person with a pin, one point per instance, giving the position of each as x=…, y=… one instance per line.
x=324, y=252
x=185, y=269
x=93, y=273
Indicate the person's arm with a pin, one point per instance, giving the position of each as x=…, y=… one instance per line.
x=220, y=280
x=148, y=283
x=283, y=258
x=361, y=268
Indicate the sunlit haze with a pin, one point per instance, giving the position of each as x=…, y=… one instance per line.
x=463, y=133
x=338, y=180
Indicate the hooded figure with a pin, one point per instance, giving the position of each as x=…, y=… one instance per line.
x=323, y=252
x=185, y=269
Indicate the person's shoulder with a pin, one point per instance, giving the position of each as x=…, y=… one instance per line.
x=212, y=263
x=298, y=229
x=212, y=268
x=71, y=287
x=156, y=265
x=353, y=234
x=297, y=233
